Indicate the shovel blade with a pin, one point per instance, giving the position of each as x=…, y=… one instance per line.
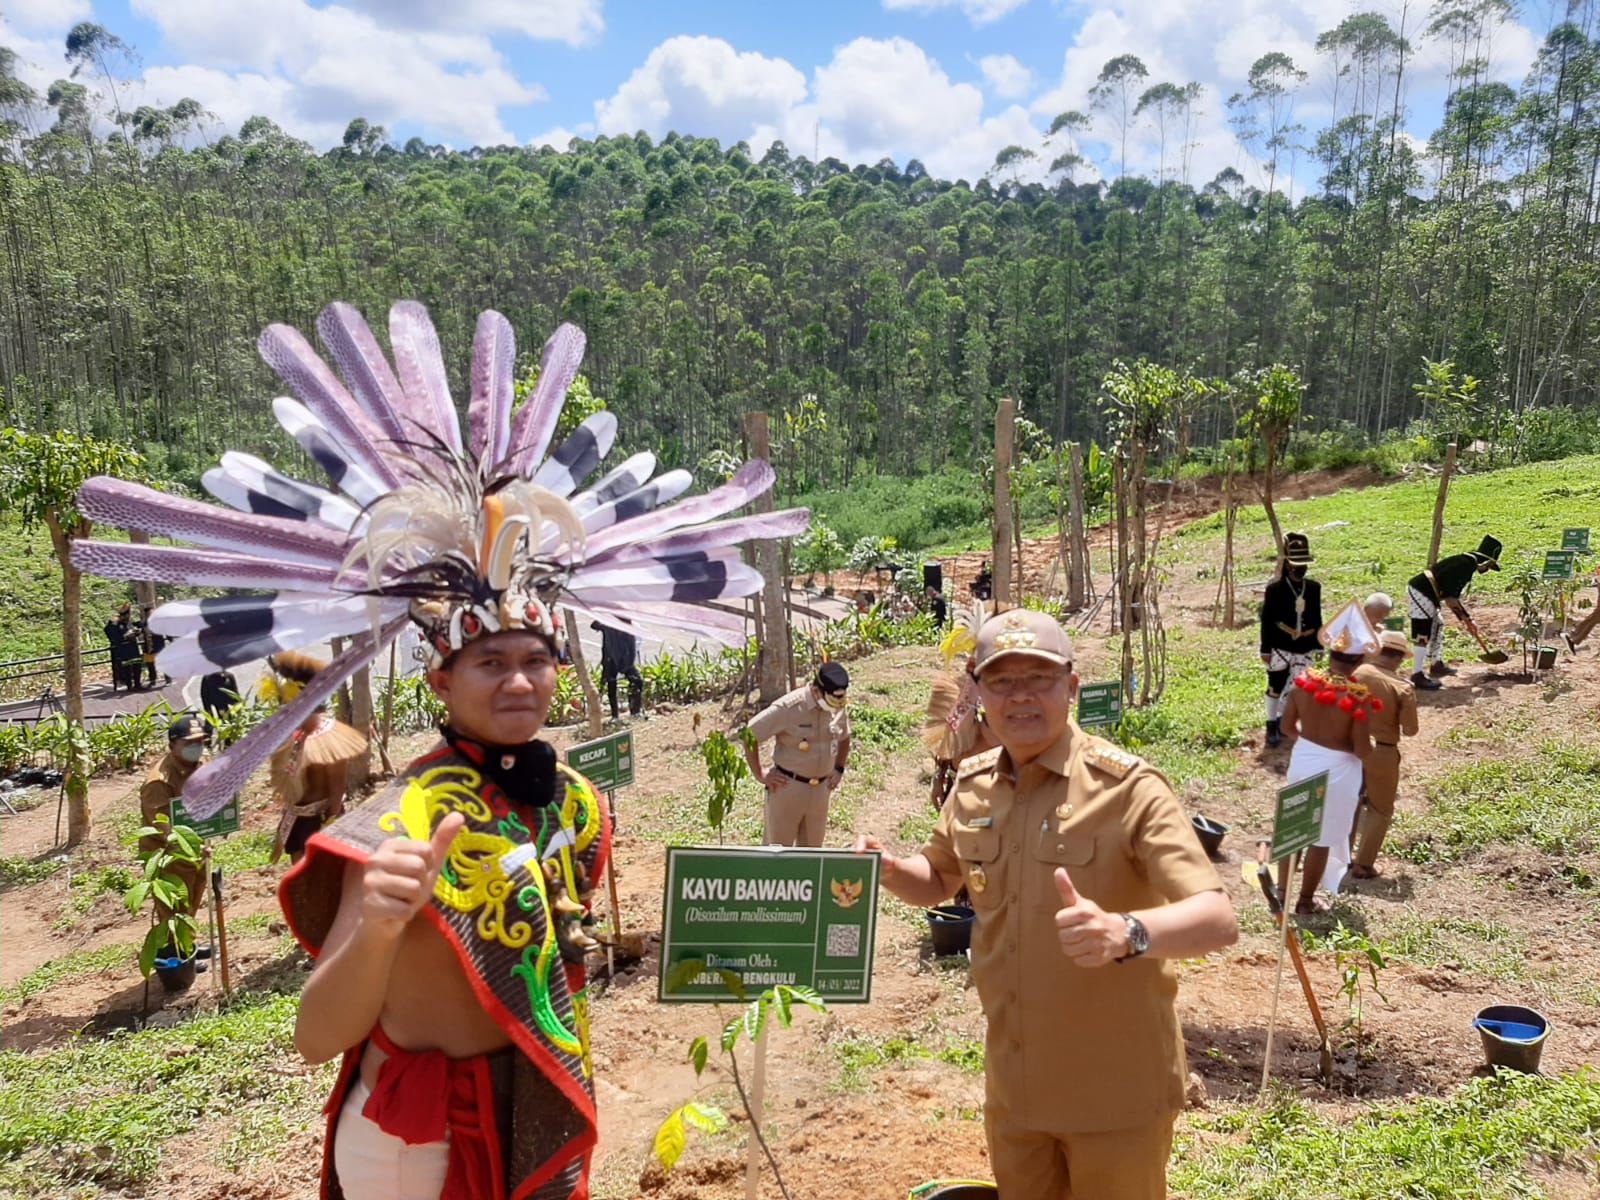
x=1494, y=656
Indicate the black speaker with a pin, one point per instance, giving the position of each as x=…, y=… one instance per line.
x=933, y=576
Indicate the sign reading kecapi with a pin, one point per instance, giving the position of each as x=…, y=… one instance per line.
x=763, y=917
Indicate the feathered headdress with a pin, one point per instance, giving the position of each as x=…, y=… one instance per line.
x=949, y=730
x=465, y=537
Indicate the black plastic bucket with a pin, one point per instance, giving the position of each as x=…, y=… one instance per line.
x=176, y=974
x=964, y=1189
x=950, y=927
x=1513, y=1036
x=1210, y=834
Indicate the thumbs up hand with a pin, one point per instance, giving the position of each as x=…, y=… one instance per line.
x=1090, y=936
x=399, y=877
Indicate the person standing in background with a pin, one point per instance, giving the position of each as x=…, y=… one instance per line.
x=1291, y=614
x=811, y=748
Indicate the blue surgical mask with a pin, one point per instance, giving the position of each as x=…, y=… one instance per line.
x=192, y=752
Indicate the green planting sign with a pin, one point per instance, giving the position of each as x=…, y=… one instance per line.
x=1099, y=704
x=1558, y=564
x=1298, y=822
x=606, y=762
x=221, y=823
x=1576, y=540
x=803, y=918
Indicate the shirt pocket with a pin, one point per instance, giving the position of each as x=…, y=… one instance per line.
x=979, y=852
x=1064, y=849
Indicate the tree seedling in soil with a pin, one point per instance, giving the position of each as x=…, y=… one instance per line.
x=672, y=1137
x=166, y=890
x=725, y=767
x=1354, y=955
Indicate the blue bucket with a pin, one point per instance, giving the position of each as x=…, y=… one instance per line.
x=1513, y=1036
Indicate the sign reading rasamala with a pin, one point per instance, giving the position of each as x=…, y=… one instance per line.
x=805, y=918
x=606, y=762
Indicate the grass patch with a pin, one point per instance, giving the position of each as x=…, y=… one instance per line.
x=1212, y=698
x=859, y=1057
x=100, y=1111
x=915, y=828
x=17, y=871
x=242, y=851
x=1486, y=947
x=1384, y=540
x=89, y=886
x=886, y=729
x=1485, y=1141
x=1549, y=801
x=68, y=967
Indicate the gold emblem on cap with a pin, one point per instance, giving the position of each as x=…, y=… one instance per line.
x=1017, y=635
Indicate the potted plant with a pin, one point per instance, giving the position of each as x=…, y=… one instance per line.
x=168, y=947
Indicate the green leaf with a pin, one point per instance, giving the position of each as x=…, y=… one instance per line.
x=671, y=1141
x=698, y=1053
x=731, y=1031
x=682, y=975
x=168, y=892
x=154, y=941
x=135, y=896
x=755, y=1017
x=733, y=982
x=809, y=997
x=707, y=1118
x=780, y=1003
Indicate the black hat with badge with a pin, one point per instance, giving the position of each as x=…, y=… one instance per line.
x=1488, y=551
x=831, y=677
x=1297, y=549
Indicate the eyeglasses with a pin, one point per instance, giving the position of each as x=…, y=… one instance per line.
x=1029, y=684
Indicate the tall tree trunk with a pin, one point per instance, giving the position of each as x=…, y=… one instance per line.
x=77, y=767
x=774, y=627
x=1003, y=431
x=591, y=694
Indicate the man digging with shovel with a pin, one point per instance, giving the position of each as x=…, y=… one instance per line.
x=1444, y=584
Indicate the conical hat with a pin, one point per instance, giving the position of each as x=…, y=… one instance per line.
x=1349, y=632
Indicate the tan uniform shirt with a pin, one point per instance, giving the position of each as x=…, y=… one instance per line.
x=1071, y=1049
x=806, y=733
x=1399, y=713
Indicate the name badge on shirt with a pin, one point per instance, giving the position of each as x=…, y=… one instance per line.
x=981, y=822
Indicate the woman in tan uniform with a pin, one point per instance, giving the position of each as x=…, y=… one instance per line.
x=310, y=769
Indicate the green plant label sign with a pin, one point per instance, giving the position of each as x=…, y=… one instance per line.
x=1099, y=704
x=1298, y=822
x=1395, y=622
x=1557, y=564
x=1576, y=540
x=805, y=918
x=605, y=762
x=221, y=823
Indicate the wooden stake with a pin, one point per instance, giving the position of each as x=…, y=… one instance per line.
x=1277, y=983
x=758, y=1088
x=611, y=892
x=222, y=933
x=591, y=694
x=1080, y=579
x=1004, y=433
x=1438, y=505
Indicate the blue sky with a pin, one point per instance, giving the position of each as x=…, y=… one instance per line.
x=948, y=81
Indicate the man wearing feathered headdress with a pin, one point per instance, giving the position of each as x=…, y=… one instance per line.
x=444, y=913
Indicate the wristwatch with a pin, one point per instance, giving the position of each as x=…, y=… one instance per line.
x=1138, y=937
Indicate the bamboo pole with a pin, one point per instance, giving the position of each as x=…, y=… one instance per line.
x=772, y=625
x=1080, y=583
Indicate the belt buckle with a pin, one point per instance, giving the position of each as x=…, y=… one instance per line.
x=814, y=782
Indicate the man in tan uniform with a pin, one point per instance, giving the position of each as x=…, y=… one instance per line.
x=1385, y=679
x=811, y=732
x=1087, y=878
x=186, y=746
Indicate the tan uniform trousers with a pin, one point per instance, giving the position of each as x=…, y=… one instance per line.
x=1120, y=1164
x=796, y=813
x=1382, y=784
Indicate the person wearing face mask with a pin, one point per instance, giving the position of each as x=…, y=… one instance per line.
x=186, y=747
x=811, y=748
x=1291, y=614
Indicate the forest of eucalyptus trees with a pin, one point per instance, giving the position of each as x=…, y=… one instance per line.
x=885, y=309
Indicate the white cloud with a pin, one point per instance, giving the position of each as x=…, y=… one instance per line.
x=703, y=86
x=1215, y=45
x=1007, y=77
x=314, y=69
x=45, y=15
x=576, y=22
x=875, y=99
x=560, y=137
x=979, y=12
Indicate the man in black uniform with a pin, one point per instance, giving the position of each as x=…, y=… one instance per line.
x=124, y=643
x=619, y=655
x=1291, y=614
x=1442, y=584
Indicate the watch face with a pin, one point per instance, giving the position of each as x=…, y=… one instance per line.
x=1138, y=936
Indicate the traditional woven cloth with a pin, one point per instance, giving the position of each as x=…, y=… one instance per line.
x=495, y=908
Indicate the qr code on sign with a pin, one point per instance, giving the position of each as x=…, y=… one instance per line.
x=844, y=941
